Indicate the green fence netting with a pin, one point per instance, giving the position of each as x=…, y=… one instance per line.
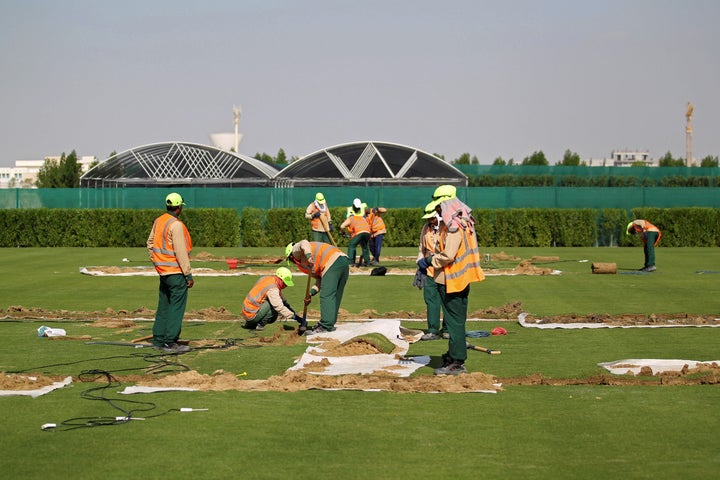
x=390, y=197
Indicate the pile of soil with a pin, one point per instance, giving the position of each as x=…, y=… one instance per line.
x=628, y=319
x=294, y=381
x=25, y=381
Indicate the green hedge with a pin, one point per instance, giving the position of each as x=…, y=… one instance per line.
x=549, y=180
x=109, y=227
x=531, y=227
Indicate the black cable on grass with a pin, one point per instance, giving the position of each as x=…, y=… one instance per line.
x=99, y=394
x=65, y=364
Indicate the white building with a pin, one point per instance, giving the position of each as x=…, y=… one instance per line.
x=24, y=173
x=623, y=158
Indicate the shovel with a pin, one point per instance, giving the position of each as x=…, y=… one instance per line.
x=470, y=346
x=303, y=325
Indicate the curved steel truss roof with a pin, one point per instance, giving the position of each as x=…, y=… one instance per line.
x=370, y=163
x=177, y=163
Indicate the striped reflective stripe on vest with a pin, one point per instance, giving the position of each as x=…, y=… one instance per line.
x=257, y=294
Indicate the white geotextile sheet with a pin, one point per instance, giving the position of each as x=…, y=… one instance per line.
x=197, y=272
x=634, y=365
x=361, y=364
x=570, y=326
x=38, y=391
x=141, y=389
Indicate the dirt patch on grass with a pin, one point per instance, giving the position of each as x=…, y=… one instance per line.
x=294, y=381
x=653, y=319
x=268, y=265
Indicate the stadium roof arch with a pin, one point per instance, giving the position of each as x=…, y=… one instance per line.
x=369, y=163
x=170, y=164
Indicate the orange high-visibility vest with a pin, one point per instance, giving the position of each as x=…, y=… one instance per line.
x=377, y=224
x=316, y=223
x=466, y=268
x=358, y=224
x=426, y=241
x=649, y=227
x=256, y=296
x=323, y=254
x=163, y=254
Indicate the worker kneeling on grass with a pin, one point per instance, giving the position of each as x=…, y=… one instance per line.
x=265, y=302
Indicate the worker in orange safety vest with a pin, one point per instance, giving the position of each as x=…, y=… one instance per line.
x=265, y=302
x=330, y=268
x=456, y=264
x=359, y=229
x=650, y=235
x=318, y=213
x=169, y=246
x=377, y=233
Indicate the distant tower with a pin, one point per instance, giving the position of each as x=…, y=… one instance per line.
x=228, y=141
x=688, y=135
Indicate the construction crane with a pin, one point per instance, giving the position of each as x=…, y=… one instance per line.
x=688, y=135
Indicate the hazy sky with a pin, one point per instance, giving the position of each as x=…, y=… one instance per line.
x=491, y=78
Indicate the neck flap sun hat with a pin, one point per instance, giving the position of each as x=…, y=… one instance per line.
x=174, y=200
x=285, y=275
x=319, y=197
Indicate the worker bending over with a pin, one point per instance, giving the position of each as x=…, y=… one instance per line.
x=330, y=268
x=650, y=235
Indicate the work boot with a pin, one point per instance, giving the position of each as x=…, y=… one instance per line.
x=651, y=268
x=172, y=348
x=455, y=368
x=260, y=327
x=430, y=336
x=446, y=360
x=317, y=329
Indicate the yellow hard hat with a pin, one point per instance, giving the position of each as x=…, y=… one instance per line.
x=445, y=191
x=174, y=200
x=319, y=197
x=288, y=249
x=430, y=208
x=629, y=226
x=285, y=275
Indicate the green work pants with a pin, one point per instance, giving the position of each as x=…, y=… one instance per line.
x=649, y=248
x=265, y=314
x=172, y=300
x=431, y=295
x=361, y=239
x=456, y=307
x=331, y=291
x=321, y=237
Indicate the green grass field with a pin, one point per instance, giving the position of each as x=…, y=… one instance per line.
x=531, y=432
